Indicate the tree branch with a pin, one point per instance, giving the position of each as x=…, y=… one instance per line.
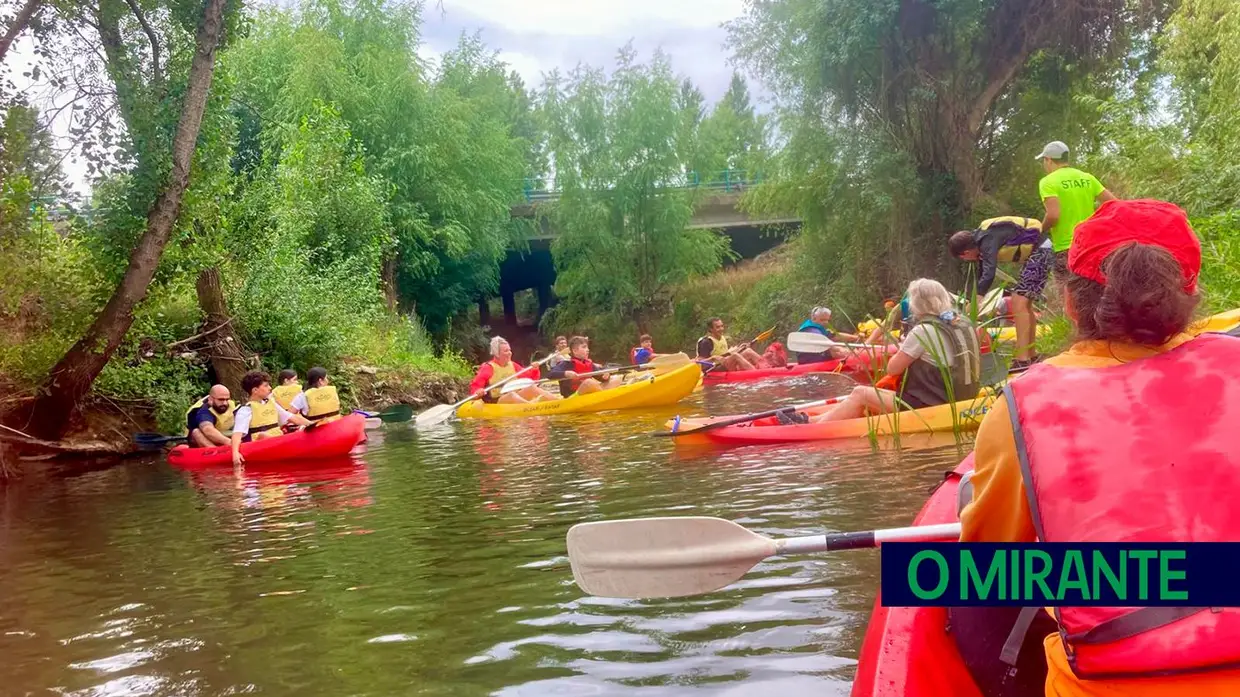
x=20, y=22
x=156, y=76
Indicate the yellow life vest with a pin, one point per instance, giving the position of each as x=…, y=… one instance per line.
x=223, y=422
x=500, y=372
x=284, y=395
x=322, y=404
x=1011, y=253
x=263, y=418
x=718, y=346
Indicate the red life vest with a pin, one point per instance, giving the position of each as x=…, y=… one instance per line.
x=1140, y=452
x=633, y=355
x=579, y=366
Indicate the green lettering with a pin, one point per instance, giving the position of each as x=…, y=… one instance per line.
x=1015, y=578
x=1143, y=577
x=969, y=576
x=1074, y=566
x=1166, y=574
x=912, y=574
x=1038, y=577
x=1119, y=584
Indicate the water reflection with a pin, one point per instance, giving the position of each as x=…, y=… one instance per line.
x=434, y=563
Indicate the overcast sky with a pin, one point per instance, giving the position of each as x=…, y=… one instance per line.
x=537, y=36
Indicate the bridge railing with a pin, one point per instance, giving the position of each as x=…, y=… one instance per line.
x=727, y=180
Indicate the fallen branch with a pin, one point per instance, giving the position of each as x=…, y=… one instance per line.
x=213, y=330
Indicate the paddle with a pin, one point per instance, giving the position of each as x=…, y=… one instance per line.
x=744, y=418
x=396, y=413
x=442, y=412
x=809, y=342
x=671, y=557
x=147, y=438
x=660, y=365
x=756, y=340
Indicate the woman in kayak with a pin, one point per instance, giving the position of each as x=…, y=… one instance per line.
x=289, y=388
x=569, y=373
x=319, y=402
x=500, y=367
x=1069, y=455
x=938, y=361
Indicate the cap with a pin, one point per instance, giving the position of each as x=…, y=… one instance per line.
x=1116, y=223
x=1055, y=150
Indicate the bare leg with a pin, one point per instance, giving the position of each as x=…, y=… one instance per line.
x=736, y=362
x=266, y=435
x=538, y=394
x=855, y=404
x=1026, y=325
x=513, y=398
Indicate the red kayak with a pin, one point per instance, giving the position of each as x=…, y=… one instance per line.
x=906, y=649
x=857, y=365
x=326, y=441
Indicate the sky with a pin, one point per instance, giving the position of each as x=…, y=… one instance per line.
x=537, y=36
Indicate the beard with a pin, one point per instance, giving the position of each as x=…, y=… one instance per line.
x=219, y=410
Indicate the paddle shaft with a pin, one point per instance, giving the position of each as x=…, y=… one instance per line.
x=501, y=383
x=867, y=539
x=752, y=417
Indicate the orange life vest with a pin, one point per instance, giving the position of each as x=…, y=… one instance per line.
x=1144, y=453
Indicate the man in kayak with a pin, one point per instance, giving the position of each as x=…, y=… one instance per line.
x=261, y=417
x=1069, y=196
x=208, y=420
x=319, y=402
x=569, y=373
x=500, y=367
x=819, y=322
x=941, y=342
x=1012, y=239
x=713, y=349
x=1087, y=462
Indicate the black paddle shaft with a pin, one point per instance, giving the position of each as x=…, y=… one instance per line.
x=851, y=540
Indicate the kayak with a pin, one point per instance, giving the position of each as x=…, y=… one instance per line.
x=907, y=650
x=959, y=416
x=855, y=365
x=1222, y=322
x=326, y=441
x=648, y=391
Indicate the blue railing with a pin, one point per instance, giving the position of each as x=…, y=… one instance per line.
x=728, y=180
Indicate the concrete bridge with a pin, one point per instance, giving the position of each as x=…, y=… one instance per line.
x=535, y=269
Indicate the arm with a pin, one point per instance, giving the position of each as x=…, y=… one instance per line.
x=286, y=416
x=899, y=363
x=299, y=404
x=999, y=511
x=212, y=433
x=988, y=256
x=1052, y=213
x=241, y=426
x=481, y=379
x=1105, y=196
x=561, y=371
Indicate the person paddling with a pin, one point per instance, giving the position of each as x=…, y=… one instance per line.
x=1128, y=436
x=289, y=388
x=713, y=349
x=261, y=417
x=643, y=353
x=500, y=367
x=819, y=322
x=319, y=402
x=209, y=420
x=1011, y=239
x=942, y=341
x=579, y=362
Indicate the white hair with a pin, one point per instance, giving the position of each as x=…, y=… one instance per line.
x=819, y=310
x=927, y=296
x=496, y=343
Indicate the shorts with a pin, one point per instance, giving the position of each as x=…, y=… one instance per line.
x=1035, y=272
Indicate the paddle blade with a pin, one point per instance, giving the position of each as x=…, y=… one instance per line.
x=808, y=342
x=764, y=336
x=668, y=363
x=662, y=557
x=435, y=415
x=517, y=385
x=397, y=414
x=145, y=439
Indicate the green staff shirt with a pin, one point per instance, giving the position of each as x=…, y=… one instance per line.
x=1076, y=191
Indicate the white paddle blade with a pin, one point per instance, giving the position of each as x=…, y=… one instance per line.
x=662, y=557
x=808, y=342
x=435, y=415
x=517, y=385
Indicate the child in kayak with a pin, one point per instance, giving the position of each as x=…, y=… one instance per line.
x=644, y=352
x=261, y=417
x=319, y=402
x=289, y=388
x=569, y=372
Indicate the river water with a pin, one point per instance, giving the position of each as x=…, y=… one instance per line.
x=434, y=563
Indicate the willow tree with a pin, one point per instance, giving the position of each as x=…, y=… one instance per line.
x=616, y=147
x=920, y=93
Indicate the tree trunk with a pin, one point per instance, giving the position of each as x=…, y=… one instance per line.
x=70, y=379
x=20, y=22
x=227, y=357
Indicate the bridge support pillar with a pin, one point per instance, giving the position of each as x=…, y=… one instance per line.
x=545, y=299
x=484, y=312
x=510, y=307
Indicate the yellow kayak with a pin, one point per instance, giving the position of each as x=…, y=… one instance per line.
x=1222, y=322
x=648, y=391
x=959, y=416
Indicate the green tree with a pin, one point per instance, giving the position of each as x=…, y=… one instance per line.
x=623, y=214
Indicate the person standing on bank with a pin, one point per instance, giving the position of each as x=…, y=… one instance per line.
x=1069, y=196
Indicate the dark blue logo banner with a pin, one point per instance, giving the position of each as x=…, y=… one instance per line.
x=1203, y=574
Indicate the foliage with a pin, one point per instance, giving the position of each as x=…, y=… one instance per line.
x=616, y=146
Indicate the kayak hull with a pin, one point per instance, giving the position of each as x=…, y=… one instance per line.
x=958, y=416
x=648, y=391
x=323, y=442
x=855, y=365
x=906, y=650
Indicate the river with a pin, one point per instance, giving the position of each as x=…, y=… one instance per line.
x=434, y=563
